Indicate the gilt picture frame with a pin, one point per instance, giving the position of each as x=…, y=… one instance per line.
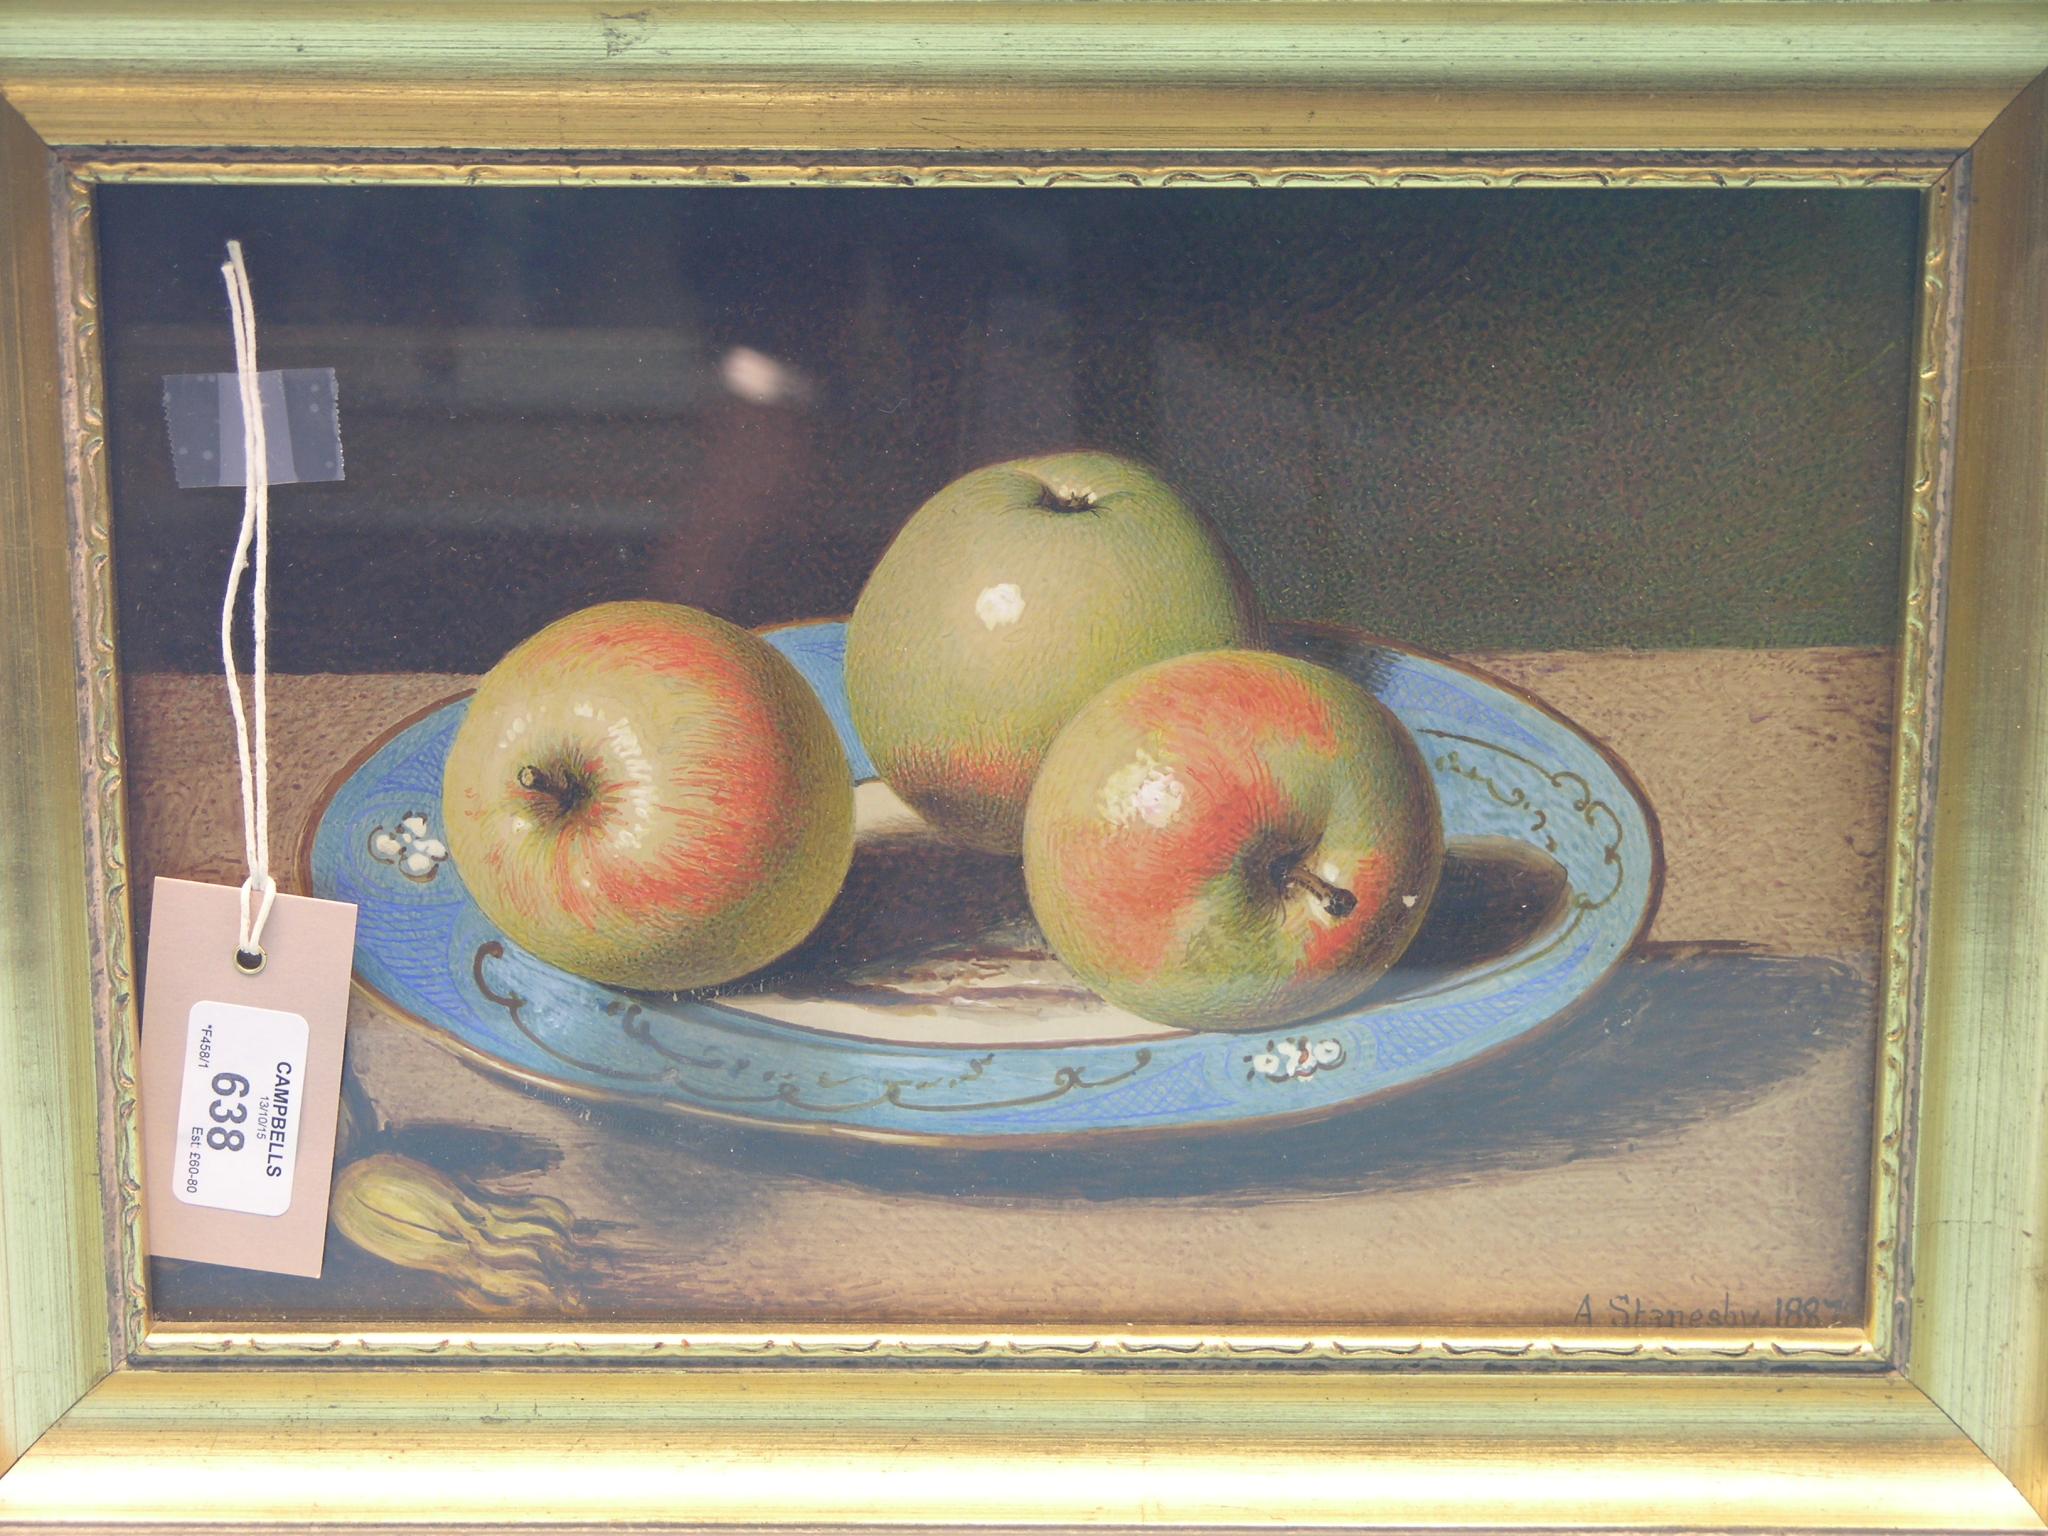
x=1924, y=1415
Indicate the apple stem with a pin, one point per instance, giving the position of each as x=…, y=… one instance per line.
x=566, y=794
x=1336, y=901
x=1065, y=501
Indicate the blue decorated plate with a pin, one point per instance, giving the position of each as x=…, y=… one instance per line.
x=927, y=1008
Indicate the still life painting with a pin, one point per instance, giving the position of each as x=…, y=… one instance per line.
x=1113, y=758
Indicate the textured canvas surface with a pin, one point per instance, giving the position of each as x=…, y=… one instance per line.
x=1642, y=456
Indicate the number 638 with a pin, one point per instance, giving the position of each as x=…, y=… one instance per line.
x=225, y=1113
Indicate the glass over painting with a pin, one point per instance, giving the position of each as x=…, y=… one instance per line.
x=1599, y=497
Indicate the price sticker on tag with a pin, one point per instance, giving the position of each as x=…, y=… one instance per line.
x=239, y=1114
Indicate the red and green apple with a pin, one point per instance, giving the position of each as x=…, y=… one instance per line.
x=648, y=796
x=1232, y=840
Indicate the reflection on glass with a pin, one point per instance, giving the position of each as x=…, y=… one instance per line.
x=1595, y=498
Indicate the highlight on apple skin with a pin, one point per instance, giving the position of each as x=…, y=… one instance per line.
x=1004, y=604
x=648, y=796
x=1232, y=840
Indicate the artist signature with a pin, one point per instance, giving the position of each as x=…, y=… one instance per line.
x=1623, y=1310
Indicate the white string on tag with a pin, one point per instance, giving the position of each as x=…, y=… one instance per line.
x=253, y=760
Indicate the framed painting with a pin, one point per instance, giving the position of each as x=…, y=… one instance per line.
x=1104, y=765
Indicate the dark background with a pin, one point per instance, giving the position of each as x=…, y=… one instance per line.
x=1464, y=419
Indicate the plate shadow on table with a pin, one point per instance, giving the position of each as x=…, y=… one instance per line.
x=1680, y=1032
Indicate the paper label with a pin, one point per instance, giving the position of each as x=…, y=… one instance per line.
x=238, y=1120
x=241, y=1078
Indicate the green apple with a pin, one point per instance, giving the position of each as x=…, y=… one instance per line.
x=650, y=797
x=1232, y=840
x=1004, y=604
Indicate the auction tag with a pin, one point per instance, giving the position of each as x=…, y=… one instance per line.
x=241, y=1078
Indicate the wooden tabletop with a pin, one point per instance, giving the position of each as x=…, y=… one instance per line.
x=1698, y=1137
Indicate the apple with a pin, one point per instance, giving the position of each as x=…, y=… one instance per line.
x=648, y=796
x=1232, y=840
x=1005, y=603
